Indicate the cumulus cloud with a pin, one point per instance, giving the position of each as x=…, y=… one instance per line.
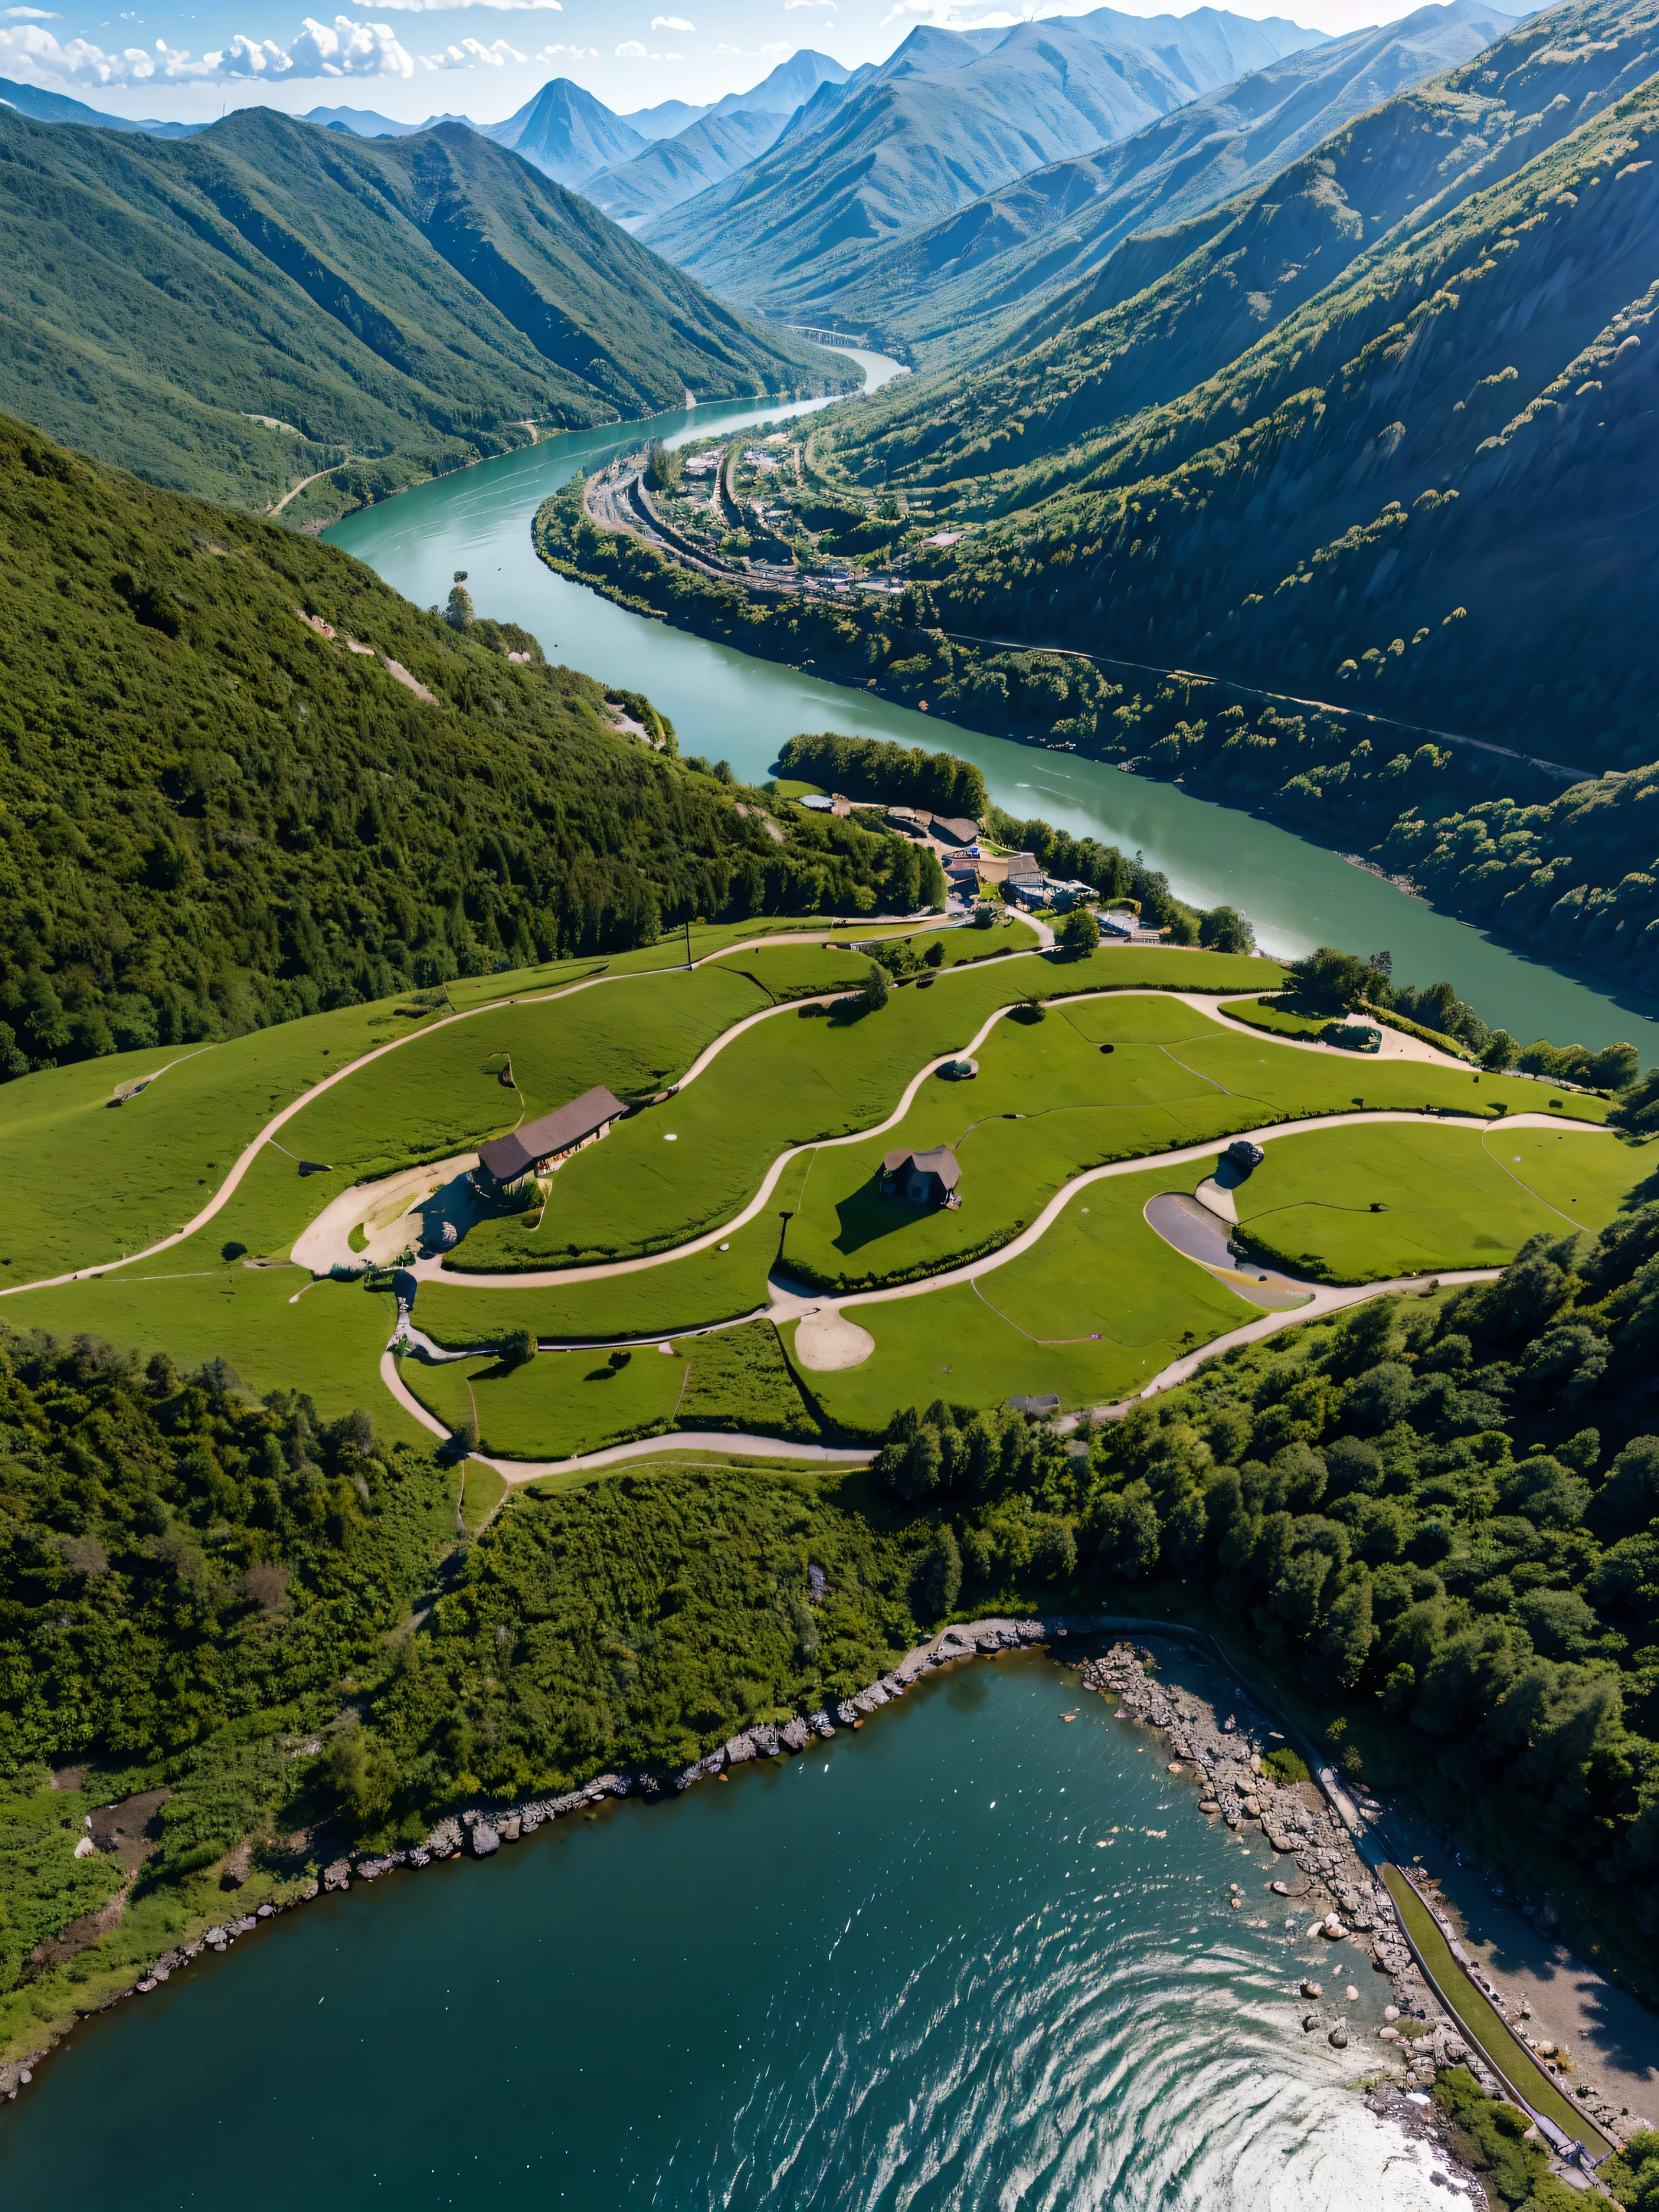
x=789, y=4
x=342, y=49
x=671, y=23
x=28, y=15
x=630, y=51
x=468, y=54
x=567, y=53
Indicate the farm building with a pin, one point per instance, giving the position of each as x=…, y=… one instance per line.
x=925, y=1178
x=548, y=1142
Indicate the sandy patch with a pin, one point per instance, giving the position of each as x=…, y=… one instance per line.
x=826, y=1343
x=1219, y=1201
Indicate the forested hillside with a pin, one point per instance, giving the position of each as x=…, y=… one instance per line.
x=230, y=313
x=1439, y=1511
x=240, y=779
x=966, y=285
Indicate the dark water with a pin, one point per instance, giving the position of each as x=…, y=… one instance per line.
x=727, y=705
x=900, y=1972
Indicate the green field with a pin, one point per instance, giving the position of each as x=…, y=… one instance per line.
x=683, y=1167
x=562, y=1403
x=87, y=1181
x=1263, y=1014
x=1096, y=1309
x=1173, y=1079
x=328, y=1345
x=1452, y=1197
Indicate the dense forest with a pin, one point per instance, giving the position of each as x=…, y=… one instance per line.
x=231, y=312
x=241, y=780
x=1407, y=487
x=1436, y=1509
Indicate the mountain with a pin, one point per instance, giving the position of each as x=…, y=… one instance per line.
x=786, y=88
x=57, y=107
x=264, y=301
x=962, y=284
x=666, y=120
x=674, y=169
x=217, y=815
x=566, y=133
x=1424, y=491
x=947, y=117
x=364, y=123
x=1171, y=307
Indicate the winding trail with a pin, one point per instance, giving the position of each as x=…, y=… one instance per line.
x=251, y=1153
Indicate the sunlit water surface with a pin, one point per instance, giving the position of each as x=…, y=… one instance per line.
x=972, y=1956
x=725, y=704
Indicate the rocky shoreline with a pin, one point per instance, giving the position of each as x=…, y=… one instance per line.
x=1323, y=1881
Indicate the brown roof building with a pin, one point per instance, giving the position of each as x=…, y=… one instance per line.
x=925, y=1178
x=550, y=1140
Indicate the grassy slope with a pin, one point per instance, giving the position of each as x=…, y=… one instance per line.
x=1173, y=1079
x=789, y=1081
x=416, y=300
x=1454, y=1198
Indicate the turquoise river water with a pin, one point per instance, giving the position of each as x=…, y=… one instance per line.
x=970, y=1957
x=727, y=705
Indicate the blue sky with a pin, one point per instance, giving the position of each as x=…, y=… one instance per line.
x=410, y=58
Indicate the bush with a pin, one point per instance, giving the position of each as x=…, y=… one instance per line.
x=1079, y=932
x=1287, y=1765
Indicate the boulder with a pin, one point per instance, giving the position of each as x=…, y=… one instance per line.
x=740, y=1749
x=484, y=1840
x=795, y=1734
x=337, y=1876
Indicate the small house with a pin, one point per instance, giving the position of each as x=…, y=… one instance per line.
x=955, y=829
x=547, y=1144
x=925, y=1178
x=1119, y=923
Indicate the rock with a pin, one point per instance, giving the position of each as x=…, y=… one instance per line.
x=1312, y=1989
x=1350, y=1996
x=795, y=1734
x=511, y=1828
x=1208, y=1805
x=764, y=1738
x=1387, y=2035
x=740, y=1749
x=1252, y=1807
x=309, y=1892
x=337, y=1876
x=266, y=1912
x=1311, y=2020
x=484, y=1840
x=1279, y=1888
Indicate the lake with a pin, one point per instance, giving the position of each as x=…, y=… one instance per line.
x=970, y=1956
x=727, y=705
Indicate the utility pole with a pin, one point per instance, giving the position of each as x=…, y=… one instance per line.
x=688, y=940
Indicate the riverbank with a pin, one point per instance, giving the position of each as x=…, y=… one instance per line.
x=1220, y=1768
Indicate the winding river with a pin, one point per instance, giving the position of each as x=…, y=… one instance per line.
x=969, y=1958
x=727, y=705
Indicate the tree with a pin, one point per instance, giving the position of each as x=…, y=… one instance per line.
x=939, y=1577
x=518, y=1345
x=875, y=992
x=934, y=956
x=1079, y=932
x=458, y=612
x=1225, y=929
x=1615, y=1067
x=662, y=468
x=1502, y=1051
x=1349, y=1633
x=362, y=1773
x=1338, y=979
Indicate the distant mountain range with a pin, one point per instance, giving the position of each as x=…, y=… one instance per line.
x=227, y=313
x=1384, y=432
x=977, y=279
x=57, y=107
x=948, y=116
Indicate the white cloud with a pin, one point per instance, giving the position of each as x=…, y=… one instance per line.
x=341, y=49
x=671, y=23
x=567, y=53
x=433, y=7
x=630, y=51
x=789, y=4
x=777, y=47
x=29, y=16
x=468, y=54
